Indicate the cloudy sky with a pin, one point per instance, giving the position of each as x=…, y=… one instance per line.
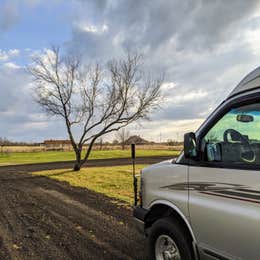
x=204, y=47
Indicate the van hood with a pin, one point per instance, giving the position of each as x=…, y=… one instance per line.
x=158, y=165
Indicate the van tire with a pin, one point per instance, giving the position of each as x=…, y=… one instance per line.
x=167, y=226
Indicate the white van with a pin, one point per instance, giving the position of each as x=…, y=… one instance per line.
x=206, y=204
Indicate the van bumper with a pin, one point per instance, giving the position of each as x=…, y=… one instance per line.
x=139, y=215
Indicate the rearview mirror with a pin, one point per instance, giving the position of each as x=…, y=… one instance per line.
x=190, y=145
x=245, y=118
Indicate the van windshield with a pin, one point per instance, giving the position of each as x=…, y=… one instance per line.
x=236, y=136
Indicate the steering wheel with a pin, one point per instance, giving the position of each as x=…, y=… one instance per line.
x=248, y=155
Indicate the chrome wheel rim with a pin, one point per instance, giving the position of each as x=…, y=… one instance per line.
x=166, y=249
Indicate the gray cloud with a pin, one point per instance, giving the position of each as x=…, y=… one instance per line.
x=190, y=24
x=199, y=44
x=214, y=22
x=8, y=15
x=202, y=46
x=20, y=118
x=10, y=11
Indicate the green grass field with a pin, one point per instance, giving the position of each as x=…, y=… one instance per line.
x=115, y=182
x=49, y=156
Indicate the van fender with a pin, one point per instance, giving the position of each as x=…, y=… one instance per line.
x=178, y=211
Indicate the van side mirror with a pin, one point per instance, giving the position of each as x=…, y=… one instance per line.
x=190, y=145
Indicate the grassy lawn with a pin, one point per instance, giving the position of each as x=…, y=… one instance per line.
x=115, y=182
x=49, y=156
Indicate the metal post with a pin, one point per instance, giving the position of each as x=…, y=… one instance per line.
x=134, y=177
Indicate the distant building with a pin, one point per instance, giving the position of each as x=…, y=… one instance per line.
x=136, y=139
x=57, y=144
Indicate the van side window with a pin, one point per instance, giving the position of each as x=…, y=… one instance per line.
x=235, y=138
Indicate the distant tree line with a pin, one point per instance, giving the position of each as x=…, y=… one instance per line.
x=122, y=138
x=172, y=142
x=6, y=142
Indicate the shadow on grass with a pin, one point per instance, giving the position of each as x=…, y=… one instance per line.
x=25, y=175
x=57, y=174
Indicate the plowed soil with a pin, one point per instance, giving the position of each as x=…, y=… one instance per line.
x=41, y=218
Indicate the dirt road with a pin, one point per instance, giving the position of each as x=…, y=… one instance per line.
x=90, y=163
x=44, y=219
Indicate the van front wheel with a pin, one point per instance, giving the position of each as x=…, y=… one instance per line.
x=166, y=241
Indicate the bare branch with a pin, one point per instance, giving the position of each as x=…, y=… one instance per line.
x=98, y=100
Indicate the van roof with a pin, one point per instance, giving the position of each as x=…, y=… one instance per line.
x=249, y=82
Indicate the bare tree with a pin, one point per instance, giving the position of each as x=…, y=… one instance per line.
x=122, y=135
x=91, y=99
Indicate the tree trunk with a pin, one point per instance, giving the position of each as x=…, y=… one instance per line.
x=78, y=163
x=77, y=166
x=88, y=151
